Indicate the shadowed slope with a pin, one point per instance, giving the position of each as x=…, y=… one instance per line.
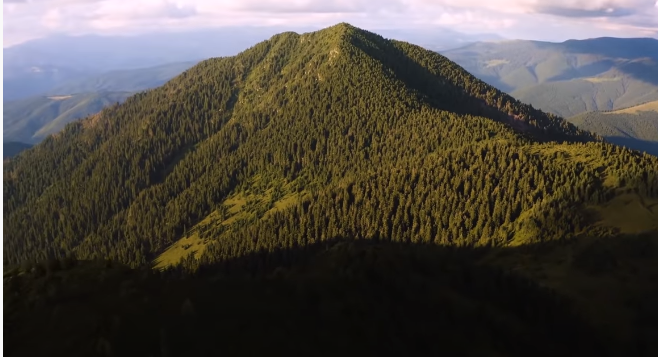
x=346, y=297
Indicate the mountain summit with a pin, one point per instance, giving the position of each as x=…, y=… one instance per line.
x=264, y=164
x=298, y=111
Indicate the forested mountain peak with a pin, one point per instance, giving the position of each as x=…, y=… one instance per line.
x=259, y=164
x=299, y=109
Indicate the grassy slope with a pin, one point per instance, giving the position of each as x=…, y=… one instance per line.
x=31, y=120
x=240, y=209
x=626, y=213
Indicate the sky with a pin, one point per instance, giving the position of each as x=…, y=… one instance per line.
x=550, y=20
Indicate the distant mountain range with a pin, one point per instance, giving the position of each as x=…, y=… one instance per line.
x=571, y=77
x=129, y=80
x=40, y=66
x=635, y=127
x=568, y=79
x=29, y=120
x=12, y=148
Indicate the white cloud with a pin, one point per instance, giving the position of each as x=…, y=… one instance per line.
x=25, y=19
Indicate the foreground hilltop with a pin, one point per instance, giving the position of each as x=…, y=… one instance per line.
x=245, y=164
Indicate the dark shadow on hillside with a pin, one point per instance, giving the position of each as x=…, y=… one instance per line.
x=454, y=89
x=340, y=297
x=618, y=48
x=650, y=147
x=645, y=70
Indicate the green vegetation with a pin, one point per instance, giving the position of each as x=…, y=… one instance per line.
x=33, y=119
x=334, y=298
x=568, y=78
x=634, y=127
x=320, y=193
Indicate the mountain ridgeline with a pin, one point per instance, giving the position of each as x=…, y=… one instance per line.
x=31, y=120
x=568, y=78
x=248, y=164
x=307, y=110
x=635, y=127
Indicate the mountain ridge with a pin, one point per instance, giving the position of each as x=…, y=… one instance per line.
x=32, y=119
x=635, y=127
x=241, y=169
x=440, y=83
x=570, y=77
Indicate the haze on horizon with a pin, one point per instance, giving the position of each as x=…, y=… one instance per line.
x=25, y=20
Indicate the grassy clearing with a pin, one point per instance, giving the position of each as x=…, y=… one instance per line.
x=496, y=62
x=629, y=213
x=60, y=97
x=646, y=107
x=256, y=201
x=570, y=153
x=602, y=79
x=179, y=250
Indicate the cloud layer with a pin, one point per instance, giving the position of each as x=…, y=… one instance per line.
x=552, y=20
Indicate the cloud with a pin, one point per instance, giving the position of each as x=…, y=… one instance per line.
x=24, y=19
x=553, y=7
x=309, y=6
x=604, y=12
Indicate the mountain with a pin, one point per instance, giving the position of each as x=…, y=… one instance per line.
x=20, y=82
x=42, y=65
x=12, y=148
x=129, y=80
x=571, y=77
x=437, y=39
x=33, y=119
x=635, y=127
x=326, y=192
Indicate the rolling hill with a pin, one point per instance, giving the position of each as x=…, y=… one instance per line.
x=129, y=80
x=635, y=127
x=33, y=119
x=332, y=189
x=42, y=65
x=571, y=77
x=21, y=82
